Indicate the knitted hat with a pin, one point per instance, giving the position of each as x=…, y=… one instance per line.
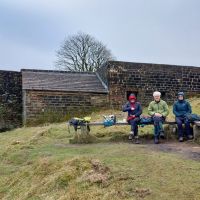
x=181, y=94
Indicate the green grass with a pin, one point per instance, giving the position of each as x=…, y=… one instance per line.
x=39, y=163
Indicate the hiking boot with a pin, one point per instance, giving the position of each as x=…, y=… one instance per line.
x=190, y=137
x=137, y=140
x=162, y=135
x=180, y=139
x=156, y=140
x=130, y=137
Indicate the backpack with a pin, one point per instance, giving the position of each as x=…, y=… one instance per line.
x=75, y=122
x=192, y=117
x=145, y=120
x=109, y=120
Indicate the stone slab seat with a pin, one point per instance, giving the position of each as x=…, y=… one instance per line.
x=167, y=121
x=123, y=123
x=197, y=123
x=84, y=128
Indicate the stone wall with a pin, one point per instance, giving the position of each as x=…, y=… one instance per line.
x=144, y=79
x=121, y=78
x=52, y=106
x=10, y=99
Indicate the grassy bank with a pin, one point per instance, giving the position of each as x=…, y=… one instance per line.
x=39, y=163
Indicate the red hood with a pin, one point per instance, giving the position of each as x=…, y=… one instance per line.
x=131, y=98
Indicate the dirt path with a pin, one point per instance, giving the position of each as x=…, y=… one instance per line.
x=188, y=150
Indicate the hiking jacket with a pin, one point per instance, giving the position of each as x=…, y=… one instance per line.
x=181, y=108
x=158, y=107
x=137, y=109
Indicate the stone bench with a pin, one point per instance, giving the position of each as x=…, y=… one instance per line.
x=85, y=128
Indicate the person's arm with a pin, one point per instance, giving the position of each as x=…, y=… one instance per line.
x=150, y=110
x=126, y=107
x=189, y=111
x=175, y=110
x=166, y=110
x=139, y=112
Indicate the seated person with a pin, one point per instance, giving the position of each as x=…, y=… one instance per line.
x=134, y=110
x=158, y=110
x=180, y=109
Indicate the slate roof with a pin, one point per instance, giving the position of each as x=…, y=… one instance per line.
x=62, y=81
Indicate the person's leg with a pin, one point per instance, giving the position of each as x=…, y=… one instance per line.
x=131, y=135
x=156, y=121
x=134, y=129
x=161, y=129
x=188, y=129
x=135, y=125
x=179, y=121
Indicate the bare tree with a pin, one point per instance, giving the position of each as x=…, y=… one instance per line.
x=82, y=52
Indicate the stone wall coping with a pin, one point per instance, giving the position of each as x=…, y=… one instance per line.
x=56, y=71
x=155, y=64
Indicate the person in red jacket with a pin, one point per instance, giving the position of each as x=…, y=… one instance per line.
x=134, y=110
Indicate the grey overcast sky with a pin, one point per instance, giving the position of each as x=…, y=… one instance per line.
x=151, y=31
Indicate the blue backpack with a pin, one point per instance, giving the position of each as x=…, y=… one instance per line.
x=109, y=120
x=145, y=120
x=192, y=117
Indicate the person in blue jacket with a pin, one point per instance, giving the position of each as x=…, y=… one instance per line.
x=180, y=109
x=134, y=110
